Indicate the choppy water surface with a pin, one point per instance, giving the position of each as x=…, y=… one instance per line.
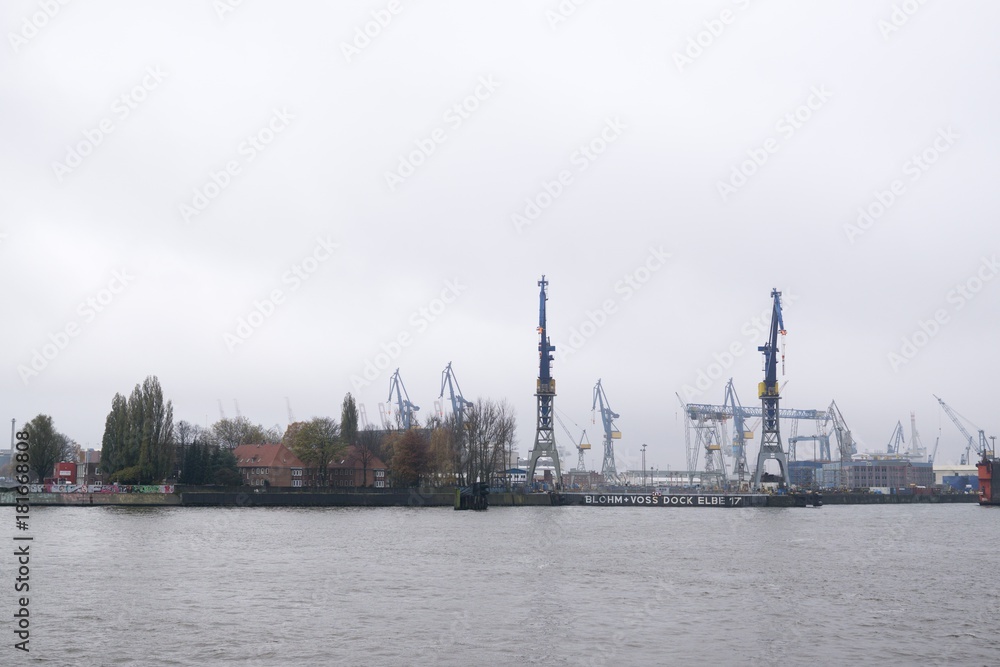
x=554, y=586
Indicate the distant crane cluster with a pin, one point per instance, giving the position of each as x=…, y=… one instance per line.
x=705, y=428
x=725, y=456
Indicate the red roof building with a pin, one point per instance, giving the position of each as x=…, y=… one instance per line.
x=276, y=465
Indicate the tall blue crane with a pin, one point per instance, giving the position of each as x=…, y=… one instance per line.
x=770, y=445
x=458, y=402
x=405, y=419
x=545, y=393
x=610, y=433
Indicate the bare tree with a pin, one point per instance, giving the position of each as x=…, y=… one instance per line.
x=489, y=434
x=369, y=444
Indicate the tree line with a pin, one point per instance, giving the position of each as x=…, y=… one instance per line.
x=143, y=445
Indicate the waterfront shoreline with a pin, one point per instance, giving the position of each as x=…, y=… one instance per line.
x=446, y=498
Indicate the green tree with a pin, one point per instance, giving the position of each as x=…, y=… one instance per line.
x=349, y=420
x=114, y=444
x=139, y=435
x=46, y=446
x=224, y=468
x=316, y=443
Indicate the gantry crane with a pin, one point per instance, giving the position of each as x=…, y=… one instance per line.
x=545, y=393
x=608, y=469
x=970, y=442
x=770, y=444
x=405, y=417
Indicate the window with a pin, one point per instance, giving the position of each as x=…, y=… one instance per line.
x=296, y=482
x=297, y=472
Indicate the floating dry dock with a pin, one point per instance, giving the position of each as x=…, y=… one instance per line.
x=664, y=500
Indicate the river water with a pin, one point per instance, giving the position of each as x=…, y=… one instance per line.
x=838, y=585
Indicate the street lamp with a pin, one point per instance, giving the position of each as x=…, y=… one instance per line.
x=643, y=465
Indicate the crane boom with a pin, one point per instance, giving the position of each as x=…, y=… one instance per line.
x=970, y=442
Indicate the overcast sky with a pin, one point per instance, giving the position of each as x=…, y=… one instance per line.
x=169, y=169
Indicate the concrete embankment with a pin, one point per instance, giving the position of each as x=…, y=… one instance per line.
x=88, y=499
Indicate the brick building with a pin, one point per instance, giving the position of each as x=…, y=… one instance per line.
x=276, y=465
x=270, y=465
x=88, y=468
x=349, y=470
x=877, y=473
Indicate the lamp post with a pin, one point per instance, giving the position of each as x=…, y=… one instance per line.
x=643, y=465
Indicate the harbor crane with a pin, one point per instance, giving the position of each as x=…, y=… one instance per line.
x=970, y=443
x=581, y=448
x=917, y=449
x=845, y=441
x=896, y=440
x=545, y=393
x=768, y=391
x=404, y=409
x=458, y=402
x=608, y=469
x=740, y=434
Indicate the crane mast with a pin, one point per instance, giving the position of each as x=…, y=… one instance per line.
x=770, y=445
x=545, y=393
x=608, y=469
x=405, y=418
